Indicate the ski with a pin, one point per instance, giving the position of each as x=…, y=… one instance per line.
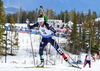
x=32, y=67
x=74, y=65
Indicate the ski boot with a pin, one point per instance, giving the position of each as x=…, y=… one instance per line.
x=66, y=59
x=89, y=66
x=41, y=64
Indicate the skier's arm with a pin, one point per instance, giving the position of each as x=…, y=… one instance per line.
x=50, y=28
x=93, y=58
x=33, y=26
x=85, y=58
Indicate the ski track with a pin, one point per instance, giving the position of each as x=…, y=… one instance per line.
x=60, y=67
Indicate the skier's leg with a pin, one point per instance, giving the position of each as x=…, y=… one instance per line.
x=56, y=46
x=42, y=45
x=90, y=64
x=85, y=63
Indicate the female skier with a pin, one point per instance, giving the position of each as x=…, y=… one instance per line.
x=47, y=33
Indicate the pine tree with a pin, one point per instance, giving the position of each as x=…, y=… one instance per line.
x=75, y=42
x=97, y=39
x=2, y=26
x=13, y=37
x=66, y=17
x=84, y=37
x=34, y=16
x=82, y=17
x=20, y=16
x=31, y=16
x=89, y=16
x=24, y=17
x=8, y=17
x=15, y=17
x=78, y=17
x=16, y=43
x=94, y=15
x=61, y=16
x=91, y=31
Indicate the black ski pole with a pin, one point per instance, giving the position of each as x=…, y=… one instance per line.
x=66, y=53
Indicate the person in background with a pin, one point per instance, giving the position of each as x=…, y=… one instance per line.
x=88, y=59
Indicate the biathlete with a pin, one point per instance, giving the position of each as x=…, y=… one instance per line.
x=88, y=59
x=47, y=33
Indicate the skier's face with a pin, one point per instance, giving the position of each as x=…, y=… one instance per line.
x=41, y=23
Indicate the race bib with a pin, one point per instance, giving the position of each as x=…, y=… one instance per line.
x=44, y=31
x=88, y=57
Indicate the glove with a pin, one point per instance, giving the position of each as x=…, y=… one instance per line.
x=54, y=34
x=53, y=37
x=28, y=26
x=27, y=21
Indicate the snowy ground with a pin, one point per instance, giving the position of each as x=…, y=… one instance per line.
x=24, y=58
x=59, y=67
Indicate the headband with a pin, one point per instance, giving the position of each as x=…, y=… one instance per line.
x=40, y=19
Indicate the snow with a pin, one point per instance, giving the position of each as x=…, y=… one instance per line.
x=97, y=19
x=24, y=57
x=59, y=67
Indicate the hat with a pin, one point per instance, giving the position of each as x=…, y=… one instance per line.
x=88, y=53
